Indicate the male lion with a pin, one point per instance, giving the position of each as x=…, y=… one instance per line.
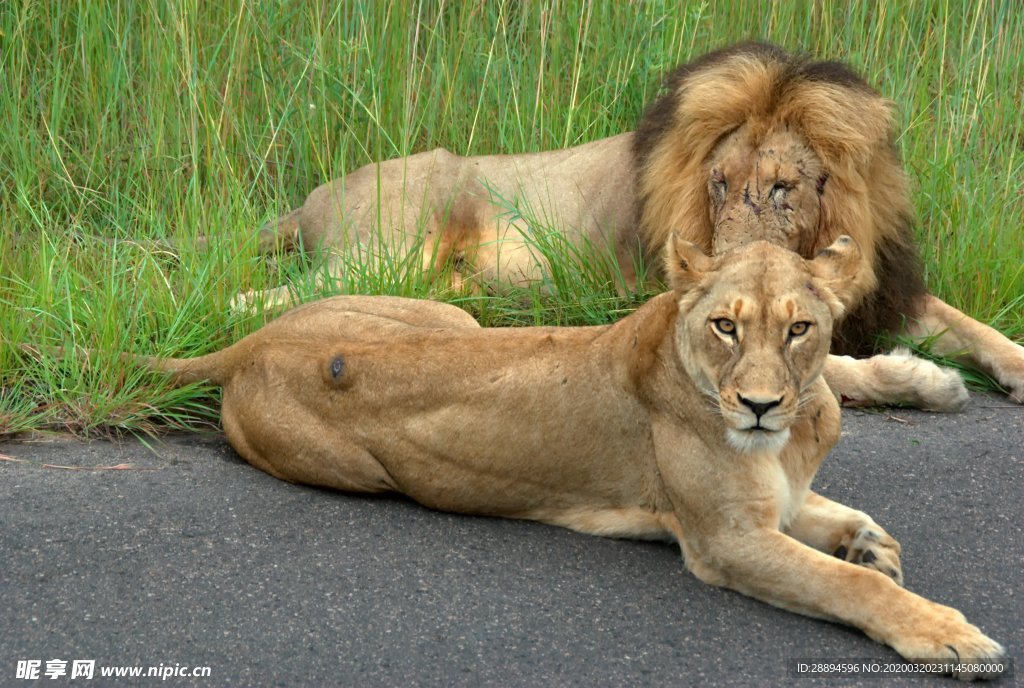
x=745, y=143
x=701, y=419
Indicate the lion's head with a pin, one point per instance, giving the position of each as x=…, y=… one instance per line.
x=754, y=329
x=751, y=143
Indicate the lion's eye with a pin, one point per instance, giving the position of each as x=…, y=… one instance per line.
x=799, y=329
x=725, y=326
x=718, y=184
x=780, y=189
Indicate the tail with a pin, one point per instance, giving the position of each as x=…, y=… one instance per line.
x=212, y=368
x=275, y=236
x=167, y=247
x=184, y=371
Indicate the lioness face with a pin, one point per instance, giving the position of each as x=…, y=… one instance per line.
x=767, y=188
x=754, y=329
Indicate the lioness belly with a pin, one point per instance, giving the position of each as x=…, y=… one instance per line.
x=634, y=523
x=508, y=447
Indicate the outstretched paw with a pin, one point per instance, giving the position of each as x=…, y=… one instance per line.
x=946, y=643
x=1013, y=380
x=872, y=547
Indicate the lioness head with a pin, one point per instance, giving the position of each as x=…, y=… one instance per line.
x=754, y=329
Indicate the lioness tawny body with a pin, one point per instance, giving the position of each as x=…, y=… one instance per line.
x=701, y=418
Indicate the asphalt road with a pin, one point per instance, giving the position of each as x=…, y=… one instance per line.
x=184, y=556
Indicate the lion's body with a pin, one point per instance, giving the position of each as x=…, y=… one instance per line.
x=443, y=208
x=700, y=419
x=746, y=143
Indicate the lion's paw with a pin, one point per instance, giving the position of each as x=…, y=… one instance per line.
x=872, y=547
x=239, y=305
x=946, y=643
x=1012, y=377
x=946, y=391
x=929, y=386
x=242, y=304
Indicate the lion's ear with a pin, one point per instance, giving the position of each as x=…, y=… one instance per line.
x=836, y=265
x=685, y=263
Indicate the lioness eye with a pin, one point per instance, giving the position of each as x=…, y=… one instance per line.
x=799, y=329
x=725, y=326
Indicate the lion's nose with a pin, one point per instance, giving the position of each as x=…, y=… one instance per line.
x=759, y=407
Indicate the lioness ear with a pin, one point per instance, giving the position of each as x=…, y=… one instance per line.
x=685, y=263
x=836, y=265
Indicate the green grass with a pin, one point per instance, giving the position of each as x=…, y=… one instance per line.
x=166, y=120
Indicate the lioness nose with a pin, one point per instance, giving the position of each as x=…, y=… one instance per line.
x=759, y=407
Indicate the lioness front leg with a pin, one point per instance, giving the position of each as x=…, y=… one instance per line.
x=952, y=333
x=848, y=534
x=773, y=567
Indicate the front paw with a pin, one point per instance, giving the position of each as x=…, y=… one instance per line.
x=944, y=392
x=946, y=643
x=873, y=548
x=1015, y=388
x=928, y=386
x=1010, y=374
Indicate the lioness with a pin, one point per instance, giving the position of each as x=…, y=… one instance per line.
x=745, y=143
x=701, y=419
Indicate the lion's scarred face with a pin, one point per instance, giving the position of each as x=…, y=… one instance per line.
x=754, y=329
x=767, y=189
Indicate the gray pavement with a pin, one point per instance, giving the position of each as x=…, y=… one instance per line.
x=184, y=556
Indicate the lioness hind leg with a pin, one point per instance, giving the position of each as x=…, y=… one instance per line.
x=251, y=418
x=895, y=378
x=848, y=534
